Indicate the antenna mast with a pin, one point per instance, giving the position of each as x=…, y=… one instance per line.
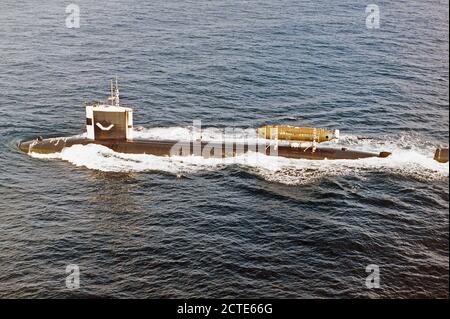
x=112, y=95
x=116, y=98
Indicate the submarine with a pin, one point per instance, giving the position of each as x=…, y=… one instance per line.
x=111, y=125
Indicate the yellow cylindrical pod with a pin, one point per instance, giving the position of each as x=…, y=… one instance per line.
x=292, y=133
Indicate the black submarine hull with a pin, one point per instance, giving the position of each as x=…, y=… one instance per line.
x=205, y=149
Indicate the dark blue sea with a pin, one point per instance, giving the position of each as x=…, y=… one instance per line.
x=142, y=226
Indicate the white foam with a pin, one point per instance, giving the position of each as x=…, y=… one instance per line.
x=408, y=159
x=189, y=133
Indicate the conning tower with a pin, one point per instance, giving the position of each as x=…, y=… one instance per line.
x=109, y=121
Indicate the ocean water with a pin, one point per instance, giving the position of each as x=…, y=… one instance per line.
x=143, y=226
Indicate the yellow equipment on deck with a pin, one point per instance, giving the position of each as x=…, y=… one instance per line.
x=297, y=134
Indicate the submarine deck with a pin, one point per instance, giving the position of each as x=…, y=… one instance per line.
x=201, y=148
